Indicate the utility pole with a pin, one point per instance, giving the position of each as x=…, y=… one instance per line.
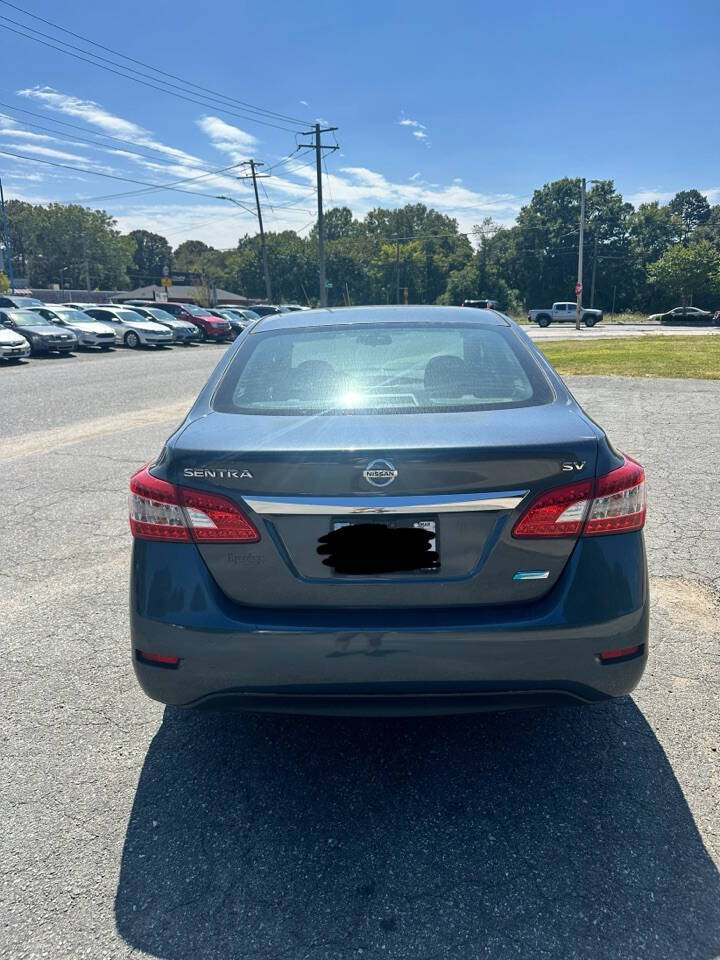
x=6, y=238
x=318, y=147
x=85, y=262
x=266, y=270
x=397, y=270
x=592, y=283
x=578, y=285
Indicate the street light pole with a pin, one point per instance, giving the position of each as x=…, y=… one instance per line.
x=266, y=271
x=6, y=238
x=578, y=287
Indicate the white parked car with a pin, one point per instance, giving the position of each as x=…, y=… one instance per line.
x=89, y=332
x=183, y=332
x=132, y=329
x=13, y=346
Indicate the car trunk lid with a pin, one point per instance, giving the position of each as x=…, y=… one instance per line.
x=299, y=481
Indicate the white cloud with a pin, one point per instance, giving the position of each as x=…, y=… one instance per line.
x=420, y=134
x=304, y=103
x=227, y=138
x=48, y=152
x=649, y=196
x=415, y=177
x=457, y=179
x=96, y=115
x=407, y=122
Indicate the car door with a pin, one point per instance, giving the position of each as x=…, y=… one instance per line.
x=560, y=312
x=52, y=317
x=105, y=316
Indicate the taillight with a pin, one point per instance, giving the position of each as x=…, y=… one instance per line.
x=619, y=503
x=155, y=513
x=163, y=511
x=558, y=513
x=613, y=503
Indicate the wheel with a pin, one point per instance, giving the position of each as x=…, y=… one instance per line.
x=589, y=321
x=543, y=320
x=132, y=340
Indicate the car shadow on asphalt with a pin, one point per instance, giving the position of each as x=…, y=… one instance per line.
x=550, y=833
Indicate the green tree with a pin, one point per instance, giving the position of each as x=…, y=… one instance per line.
x=152, y=255
x=188, y=257
x=684, y=273
x=67, y=242
x=692, y=209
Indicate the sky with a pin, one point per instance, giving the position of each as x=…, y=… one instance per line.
x=466, y=107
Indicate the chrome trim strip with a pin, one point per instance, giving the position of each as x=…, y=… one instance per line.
x=352, y=506
x=531, y=575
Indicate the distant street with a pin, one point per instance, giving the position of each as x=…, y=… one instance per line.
x=611, y=331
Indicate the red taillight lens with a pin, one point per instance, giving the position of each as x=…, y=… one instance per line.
x=162, y=511
x=557, y=513
x=619, y=503
x=214, y=518
x=155, y=513
x=613, y=503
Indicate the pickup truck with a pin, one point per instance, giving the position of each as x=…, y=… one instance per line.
x=564, y=313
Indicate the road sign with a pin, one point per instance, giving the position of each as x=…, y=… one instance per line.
x=578, y=288
x=166, y=281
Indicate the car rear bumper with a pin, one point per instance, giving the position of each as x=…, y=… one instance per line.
x=344, y=661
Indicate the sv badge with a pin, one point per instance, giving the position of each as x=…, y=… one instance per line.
x=569, y=465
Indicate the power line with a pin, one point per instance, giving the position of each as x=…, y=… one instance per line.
x=75, y=139
x=164, y=186
x=124, y=56
x=107, y=176
x=145, y=83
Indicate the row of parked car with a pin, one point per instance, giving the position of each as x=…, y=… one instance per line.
x=30, y=327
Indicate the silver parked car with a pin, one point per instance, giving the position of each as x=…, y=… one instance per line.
x=183, y=332
x=13, y=346
x=89, y=332
x=132, y=329
x=43, y=336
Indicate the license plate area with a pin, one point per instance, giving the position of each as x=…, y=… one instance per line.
x=374, y=546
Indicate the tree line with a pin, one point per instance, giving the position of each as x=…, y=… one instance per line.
x=642, y=258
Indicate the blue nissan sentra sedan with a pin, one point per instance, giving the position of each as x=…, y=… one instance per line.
x=387, y=510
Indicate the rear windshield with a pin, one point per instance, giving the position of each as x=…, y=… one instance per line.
x=375, y=368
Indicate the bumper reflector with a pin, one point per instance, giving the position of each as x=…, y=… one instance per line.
x=159, y=659
x=608, y=656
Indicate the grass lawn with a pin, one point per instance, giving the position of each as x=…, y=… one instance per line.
x=683, y=357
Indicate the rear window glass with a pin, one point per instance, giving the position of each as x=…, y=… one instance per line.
x=378, y=368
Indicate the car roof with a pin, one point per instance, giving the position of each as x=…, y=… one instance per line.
x=329, y=316
x=24, y=310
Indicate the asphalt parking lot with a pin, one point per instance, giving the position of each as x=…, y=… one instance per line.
x=130, y=830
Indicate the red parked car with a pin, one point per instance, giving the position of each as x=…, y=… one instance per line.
x=211, y=327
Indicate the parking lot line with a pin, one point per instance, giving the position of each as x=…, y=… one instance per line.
x=45, y=441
